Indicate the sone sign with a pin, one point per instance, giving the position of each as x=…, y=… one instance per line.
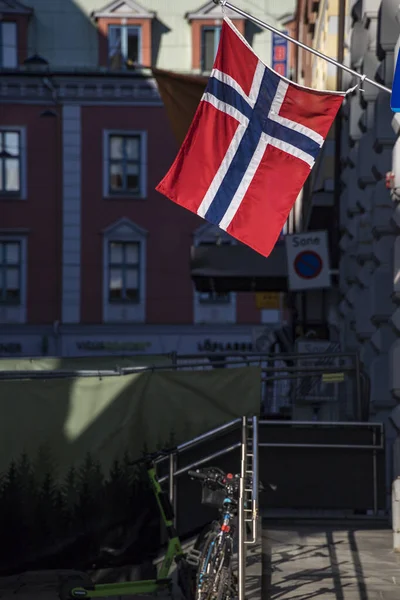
x=308, y=261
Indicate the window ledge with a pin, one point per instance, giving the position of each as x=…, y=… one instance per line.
x=12, y=197
x=211, y=303
x=124, y=197
x=124, y=302
x=10, y=304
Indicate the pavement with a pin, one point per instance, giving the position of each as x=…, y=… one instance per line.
x=292, y=561
x=329, y=561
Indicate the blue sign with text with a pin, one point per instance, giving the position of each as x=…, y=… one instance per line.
x=395, y=97
x=280, y=54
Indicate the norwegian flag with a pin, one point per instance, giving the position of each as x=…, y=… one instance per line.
x=250, y=148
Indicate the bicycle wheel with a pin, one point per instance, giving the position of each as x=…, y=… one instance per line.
x=213, y=581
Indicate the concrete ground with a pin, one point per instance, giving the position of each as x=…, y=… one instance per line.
x=300, y=561
x=329, y=561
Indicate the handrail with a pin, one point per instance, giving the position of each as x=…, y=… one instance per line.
x=209, y=435
x=241, y=509
x=340, y=446
x=324, y=423
x=201, y=461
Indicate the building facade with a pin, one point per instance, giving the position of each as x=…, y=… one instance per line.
x=365, y=317
x=93, y=260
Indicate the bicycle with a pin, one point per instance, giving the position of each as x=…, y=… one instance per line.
x=215, y=578
x=74, y=586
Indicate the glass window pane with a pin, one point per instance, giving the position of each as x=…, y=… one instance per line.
x=11, y=143
x=132, y=177
x=116, y=177
x=12, y=256
x=115, y=284
x=131, y=284
x=116, y=255
x=132, y=148
x=115, y=48
x=208, y=49
x=12, y=284
x=116, y=147
x=131, y=254
x=12, y=175
x=133, y=46
x=8, y=48
x=1, y=175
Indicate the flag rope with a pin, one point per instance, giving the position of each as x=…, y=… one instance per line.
x=363, y=78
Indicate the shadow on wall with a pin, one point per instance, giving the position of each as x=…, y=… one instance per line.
x=158, y=29
x=251, y=31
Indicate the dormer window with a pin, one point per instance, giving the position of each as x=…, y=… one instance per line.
x=206, y=27
x=13, y=33
x=8, y=45
x=124, y=35
x=124, y=46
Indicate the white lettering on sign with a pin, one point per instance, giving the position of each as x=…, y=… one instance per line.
x=298, y=242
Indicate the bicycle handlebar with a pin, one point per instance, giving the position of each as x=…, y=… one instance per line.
x=198, y=475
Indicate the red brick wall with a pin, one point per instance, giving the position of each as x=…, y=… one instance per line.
x=40, y=213
x=169, y=288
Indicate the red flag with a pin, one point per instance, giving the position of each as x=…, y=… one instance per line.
x=251, y=145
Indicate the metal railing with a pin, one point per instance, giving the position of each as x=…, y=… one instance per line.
x=289, y=382
x=250, y=449
x=378, y=443
x=174, y=473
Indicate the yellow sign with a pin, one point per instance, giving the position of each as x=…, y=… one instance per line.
x=332, y=377
x=268, y=300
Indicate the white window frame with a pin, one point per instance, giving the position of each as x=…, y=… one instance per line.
x=124, y=230
x=15, y=61
x=143, y=164
x=16, y=313
x=21, y=195
x=202, y=311
x=124, y=41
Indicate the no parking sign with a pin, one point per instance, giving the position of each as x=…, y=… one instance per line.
x=308, y=260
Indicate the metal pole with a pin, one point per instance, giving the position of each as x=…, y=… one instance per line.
x=255, y=477
x=260, y=23
x=375, y=472
x=172, y=484
x=359, y=416
x=242, y=530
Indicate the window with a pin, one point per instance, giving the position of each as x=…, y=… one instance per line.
x=124, y=261
x=10, y=162
x=10, y=272
x=124, y=272
x=125, y=164
x=124, y=46
x=209, y=45
x=8, y=45
x=213, y=307
x=214, y=297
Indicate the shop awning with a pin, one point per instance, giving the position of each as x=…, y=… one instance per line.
x=238, y=268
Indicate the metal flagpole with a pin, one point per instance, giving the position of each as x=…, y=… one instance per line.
x=226, y=4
